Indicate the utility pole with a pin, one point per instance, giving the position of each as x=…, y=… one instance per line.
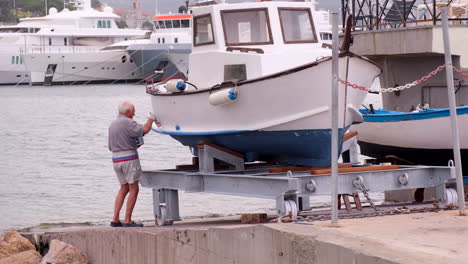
x=16, y=11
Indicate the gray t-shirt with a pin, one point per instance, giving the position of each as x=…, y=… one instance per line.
x=123, y=132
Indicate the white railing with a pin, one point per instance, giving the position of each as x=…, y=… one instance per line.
x=59, y=49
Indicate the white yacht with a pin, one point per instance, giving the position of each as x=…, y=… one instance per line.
x=172, y=35
x=57, y=35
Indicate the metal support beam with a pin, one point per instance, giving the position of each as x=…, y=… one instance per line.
x=334, y=121
x=453, y=112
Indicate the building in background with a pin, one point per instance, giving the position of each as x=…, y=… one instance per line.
x=134, y=18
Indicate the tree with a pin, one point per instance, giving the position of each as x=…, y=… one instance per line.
x=147, y=25
x=121, y=24
x=95, y=4
x=7, y=11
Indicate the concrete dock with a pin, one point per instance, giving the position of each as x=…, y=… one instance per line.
x=409, y=238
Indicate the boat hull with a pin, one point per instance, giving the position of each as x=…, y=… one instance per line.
x=92, y=67
x=12, y=69
x=298, y=147
x=148, y=58
x=419, y=137
x=283, y=118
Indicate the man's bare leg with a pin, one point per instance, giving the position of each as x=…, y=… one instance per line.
x=119, y=200
x=132, y=197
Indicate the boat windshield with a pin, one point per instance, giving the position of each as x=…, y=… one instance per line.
x=203, y=30
x=297, y=25
x=246, y=27
x=19, y=30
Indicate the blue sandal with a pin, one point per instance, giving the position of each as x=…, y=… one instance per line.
x=116, y=224
x=132, y=224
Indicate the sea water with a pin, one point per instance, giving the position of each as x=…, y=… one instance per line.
x=55, y=166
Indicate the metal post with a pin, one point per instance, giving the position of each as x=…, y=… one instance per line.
x=45, y=7
x=404, y=13
x=453, y=112
x=334, y=121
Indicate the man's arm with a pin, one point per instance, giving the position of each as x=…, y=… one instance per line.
x=147, y=126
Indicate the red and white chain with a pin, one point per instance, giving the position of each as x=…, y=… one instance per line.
x=402, y=87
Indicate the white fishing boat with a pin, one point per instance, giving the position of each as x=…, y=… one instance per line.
x=52, y=39
x=172, y=35
x=420, y=137
x=263, y=85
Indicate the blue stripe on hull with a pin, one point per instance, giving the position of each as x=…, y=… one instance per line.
x=293, y=147
x=395, y=116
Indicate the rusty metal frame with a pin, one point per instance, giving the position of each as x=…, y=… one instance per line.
x=370, y=13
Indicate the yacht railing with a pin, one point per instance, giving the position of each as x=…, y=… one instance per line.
x=59, y=49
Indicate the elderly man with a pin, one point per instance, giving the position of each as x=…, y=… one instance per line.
x=125, y=136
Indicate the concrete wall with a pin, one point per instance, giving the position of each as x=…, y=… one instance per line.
x=259, y=244
x=407, y=54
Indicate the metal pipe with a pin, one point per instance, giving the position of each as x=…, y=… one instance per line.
x=434, y=15
x=453, y=112
x=404, y=13
x=334, y=121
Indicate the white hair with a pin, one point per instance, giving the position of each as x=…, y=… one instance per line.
x=125, y=106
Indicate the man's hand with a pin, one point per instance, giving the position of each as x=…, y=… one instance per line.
x=152, y=116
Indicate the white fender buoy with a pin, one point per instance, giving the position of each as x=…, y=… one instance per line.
x=175, y=85
x=223, y=97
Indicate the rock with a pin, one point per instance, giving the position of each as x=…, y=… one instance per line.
x=25, y=257
x=63, y=253
x=11, y=242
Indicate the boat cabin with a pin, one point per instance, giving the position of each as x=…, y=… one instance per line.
x=172, y=29
x=249, y=40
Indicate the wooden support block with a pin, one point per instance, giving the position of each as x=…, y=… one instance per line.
x=282, y=170
x=232, y=152
x=347, y=202
x=357, y=201
x=186, y=167
x=355, y=169
x=254, y=218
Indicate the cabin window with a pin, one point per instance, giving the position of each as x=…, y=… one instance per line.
x=156, y=24
x=168, y=23
x=185, y=23
x=176, y=23
x=297, y=25
x=99, y=24
x=108, y=24
x=203, y=30
x=246, y=27
x=161, y=24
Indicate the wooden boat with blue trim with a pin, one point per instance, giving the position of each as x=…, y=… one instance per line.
x=259, y=83
x=421, y=137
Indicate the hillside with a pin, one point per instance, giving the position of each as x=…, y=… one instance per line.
x=165, y=6
x=37, y=8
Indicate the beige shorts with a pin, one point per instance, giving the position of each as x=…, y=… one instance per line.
x=127, y=171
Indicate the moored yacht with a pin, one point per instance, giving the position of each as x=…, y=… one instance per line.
x=110, y=64
x=259, y=83
x=57, y=35
x=172, y=35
